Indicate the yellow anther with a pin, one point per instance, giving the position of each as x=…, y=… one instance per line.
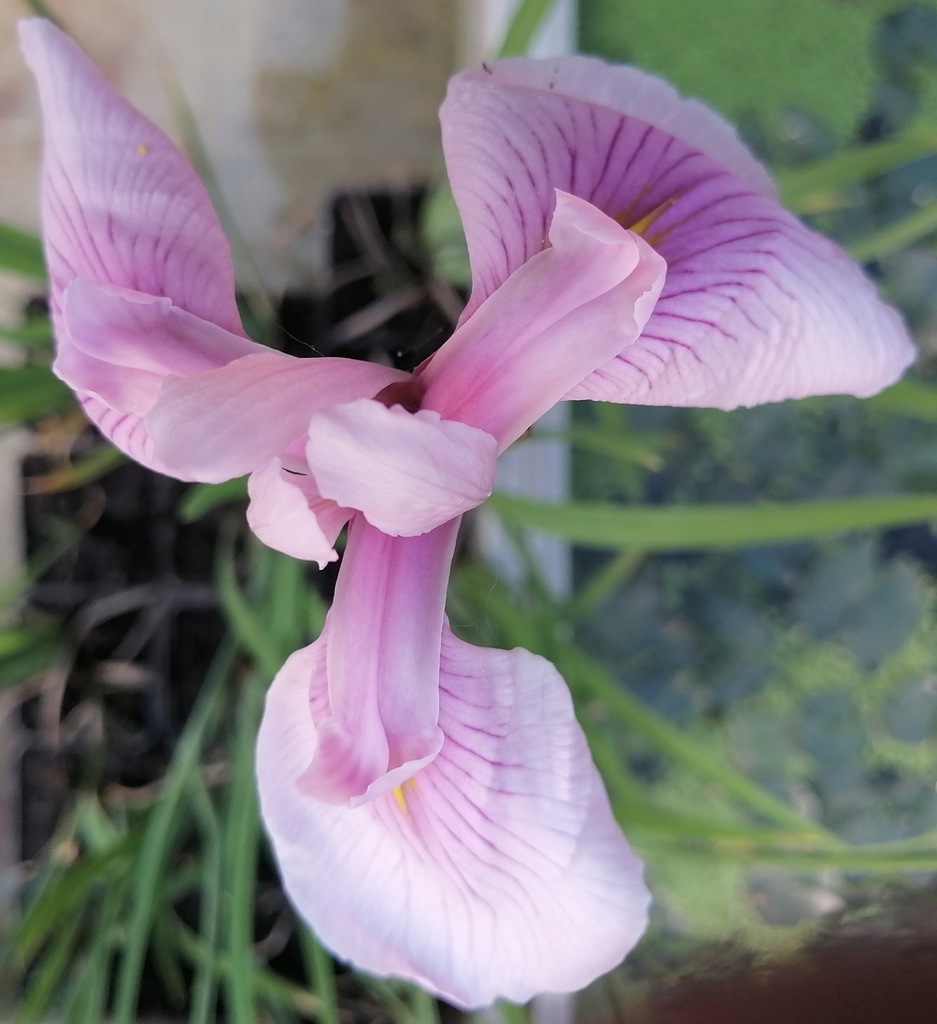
x=642, y=224
x=142, y=148
x=401, y=798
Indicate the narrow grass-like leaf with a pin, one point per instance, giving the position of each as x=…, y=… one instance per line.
x=25, y=651
x=241, y=835
x=247, y=627
x=28, y=393
x=587, y=677
x=899, y=235
x=909, y=397
x=97, y=463
x=425, y=1007
x=40, y=9
x=602, y=584
x=527, y=19
x=712, y=527
x=545, y=634
x=62, y=893
x=64, y=535
x=34, y=333
x=629, y=450
x=270, y=986
x=200, y=499
x=204, y=987
x=873, y=858
x=87, y=993
x=47, y=978
x=321, y=973
x=21, y=252
x=160, y=828
x=801, y=185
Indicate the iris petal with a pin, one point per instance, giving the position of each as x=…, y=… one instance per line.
x=755, y=307
x=498, y=870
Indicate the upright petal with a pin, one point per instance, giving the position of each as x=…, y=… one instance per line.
x=496, y=871
x=407, y=472
x=755, y=307
x=381, y=650
x=120, y=203
x=567, y=310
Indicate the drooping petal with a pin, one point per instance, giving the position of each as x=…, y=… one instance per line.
x=224, y=423
x=382, y=657
x=496, y=871
x=407, y=473
x=755, y=307
x=567, y=310
x=288, y=514
x=120, y=203
x=116, y=348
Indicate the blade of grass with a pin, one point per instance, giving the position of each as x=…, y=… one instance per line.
x=248, y=629
x=241, y=835
x=46, y=979
x=97, y=463
x=321, y=974
x=872, y=859
x=896, y=236
x=523, y=27
x=425, y=1007
x=27, y=393
x=62, y=893
x=200, y=499
x=203, y=985
x=270, y=986
x=712, y=527
x=88, y=994
x=160, y=827
x=800, y=185
x=33, y=333
x=909, y=397
x=602, y=584
x=586, y=676
x=64, y=536
x=21, y=252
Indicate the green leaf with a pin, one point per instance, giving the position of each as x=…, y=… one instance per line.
x=85, y=470
x=802, y=186
x=25, y=651
x=158, y=837
x=712, y=527
x=200, y=499
x=33, y=333
x=441, y=228
x=896, y=236
x=29, y=392
x=909, y=397
x=527, y=19
x=21, y=252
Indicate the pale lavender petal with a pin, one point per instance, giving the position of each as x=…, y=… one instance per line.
x=382, y=659
x=288, y=513
x=406, y=472
x=496, y=871
x=569, y=309
x=755, y=307
x=227, y=422
x=120, y=204
x=116, y=348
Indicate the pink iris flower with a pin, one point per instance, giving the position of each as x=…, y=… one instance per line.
x=432, y=805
